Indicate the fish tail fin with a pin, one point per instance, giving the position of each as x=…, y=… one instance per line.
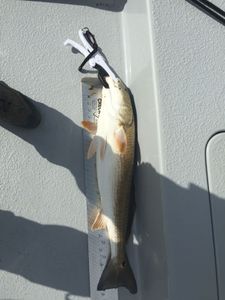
x=114, y=276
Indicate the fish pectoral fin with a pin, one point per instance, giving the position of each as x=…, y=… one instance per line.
x=99, y=221
x=92, y=148
x=120, y=140
x=89, y=126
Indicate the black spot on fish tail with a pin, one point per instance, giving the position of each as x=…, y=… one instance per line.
x=117, y=275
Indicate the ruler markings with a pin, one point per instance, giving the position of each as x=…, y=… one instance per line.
x=98, y=245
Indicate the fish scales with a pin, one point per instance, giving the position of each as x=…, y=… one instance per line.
x=122, y=201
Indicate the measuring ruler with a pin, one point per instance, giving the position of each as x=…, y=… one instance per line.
x=98, y=244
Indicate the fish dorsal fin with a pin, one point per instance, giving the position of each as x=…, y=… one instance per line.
x=92, y=148
x=120, y=139
x=99, y=221
x=89, y=126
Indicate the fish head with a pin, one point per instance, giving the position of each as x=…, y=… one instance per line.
x=117, y=100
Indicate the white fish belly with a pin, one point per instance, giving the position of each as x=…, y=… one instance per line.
x=108, y=176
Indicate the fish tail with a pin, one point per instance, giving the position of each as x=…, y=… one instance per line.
x=115, y=275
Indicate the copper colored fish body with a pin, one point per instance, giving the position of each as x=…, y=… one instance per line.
x=113, y=143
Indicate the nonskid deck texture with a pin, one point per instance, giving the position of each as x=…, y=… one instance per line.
x=42, y=171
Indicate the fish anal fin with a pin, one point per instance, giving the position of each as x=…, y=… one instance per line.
x=99, y=221
x=120, y=140
x=92, y=148
x=89, y=126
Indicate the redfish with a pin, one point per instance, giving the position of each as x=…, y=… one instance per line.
x=114, y=143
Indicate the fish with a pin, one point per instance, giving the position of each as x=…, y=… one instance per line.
x=113, y=144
